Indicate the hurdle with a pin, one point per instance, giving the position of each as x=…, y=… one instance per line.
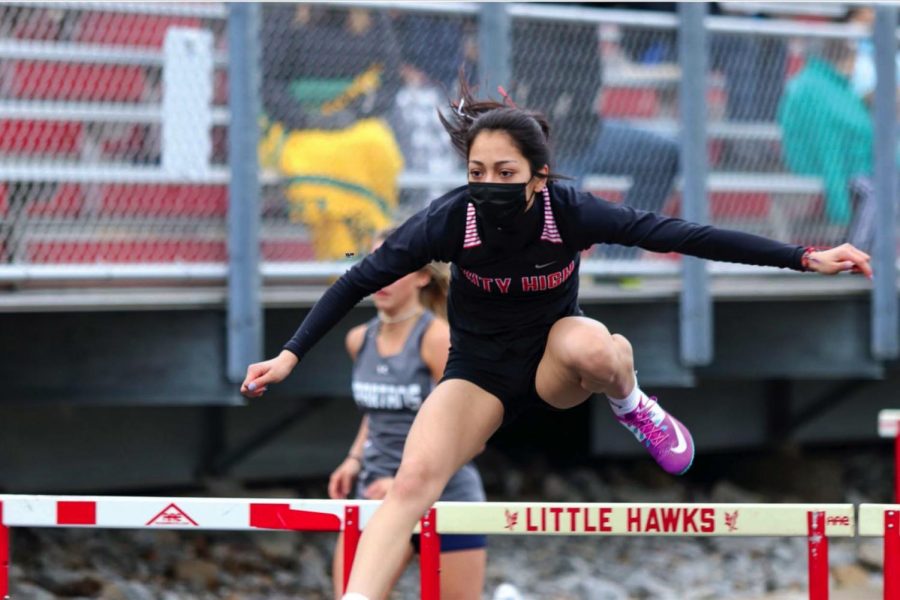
x=816, y=522
x=889, y=427
x=883, y=520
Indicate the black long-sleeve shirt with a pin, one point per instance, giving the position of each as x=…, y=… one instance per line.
x=504, y=300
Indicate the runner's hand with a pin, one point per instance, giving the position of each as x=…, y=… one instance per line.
x=839, y=259
x=341, y=481
x=379, y=488
x=261, y=374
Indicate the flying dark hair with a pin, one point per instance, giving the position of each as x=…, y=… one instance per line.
x=469, y=116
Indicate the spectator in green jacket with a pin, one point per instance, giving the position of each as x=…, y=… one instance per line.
x=827, y=130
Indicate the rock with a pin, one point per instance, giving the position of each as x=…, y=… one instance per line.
x=30, y=591
x=728, y=493
x=806, y=477
x=277, y=545
x=315, y=569
x=592, y=486
x=842, y=551
x=704, y=593
x=644, y=584
x=159, y=538
x=287, y=579
x=507, y=591
x=630, y=492
x=786, y=563
x=558, y=489
x=593, y=588
x=850, y=575
x=159, y=549
x=64, y=582
x=127, y=590
x=198, y=573
x=871, y=554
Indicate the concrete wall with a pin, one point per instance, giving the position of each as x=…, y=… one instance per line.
x=138, y=400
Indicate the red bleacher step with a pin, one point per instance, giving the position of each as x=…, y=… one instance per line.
x=133, y=200
x=35, y=80
x=126, y=29
x=19, y=136
x=155, y=250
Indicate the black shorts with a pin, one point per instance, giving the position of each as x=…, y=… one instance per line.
x=511, y=379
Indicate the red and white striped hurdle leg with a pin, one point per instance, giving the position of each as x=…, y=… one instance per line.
x=430, y=556
x=818, y=556
x=891, y=555
x=351, y=540
x=897, y=469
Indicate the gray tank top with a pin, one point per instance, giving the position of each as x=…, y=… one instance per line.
x=390, y=390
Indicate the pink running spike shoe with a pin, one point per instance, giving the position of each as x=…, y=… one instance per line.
x=668, y=441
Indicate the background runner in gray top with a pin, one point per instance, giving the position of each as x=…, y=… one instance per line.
x=390, y=390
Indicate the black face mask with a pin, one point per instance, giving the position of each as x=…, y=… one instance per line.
x=499, y=205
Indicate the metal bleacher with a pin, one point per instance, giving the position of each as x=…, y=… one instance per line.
x=80, y=116
x=117, y=305
x=82, y=180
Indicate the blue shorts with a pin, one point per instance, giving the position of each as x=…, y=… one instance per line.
x=453, y=543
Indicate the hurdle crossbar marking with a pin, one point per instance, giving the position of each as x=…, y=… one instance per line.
x=621, y=519
x=118, y=512
x=494, y=518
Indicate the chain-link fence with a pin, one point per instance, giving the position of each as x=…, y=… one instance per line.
x=790, y=140
x=112, y=133
x=112, y=122
x=604, y=82
x=350, y=96
x=608, y=81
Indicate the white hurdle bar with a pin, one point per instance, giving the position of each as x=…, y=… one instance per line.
x=817, y=522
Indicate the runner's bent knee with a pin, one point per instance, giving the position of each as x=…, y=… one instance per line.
x=418, y=481
x=594, y=353
x=600, y=362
